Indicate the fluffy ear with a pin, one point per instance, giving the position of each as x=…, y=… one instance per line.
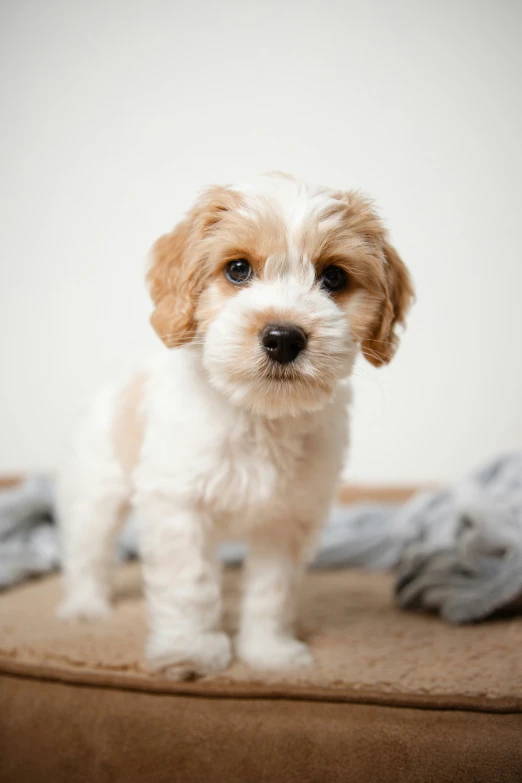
x=169, y=279
x=178, y=268
x=382, y=342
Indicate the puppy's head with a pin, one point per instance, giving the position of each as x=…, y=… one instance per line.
x=279, y=284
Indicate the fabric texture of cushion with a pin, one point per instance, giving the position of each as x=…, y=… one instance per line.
x=392, y=695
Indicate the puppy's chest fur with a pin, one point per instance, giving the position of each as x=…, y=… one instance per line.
x=256, y=463
x=239, y=467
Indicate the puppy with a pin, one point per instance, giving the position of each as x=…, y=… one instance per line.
x=263, y=294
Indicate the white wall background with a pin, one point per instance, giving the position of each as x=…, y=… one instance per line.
x=115, y=112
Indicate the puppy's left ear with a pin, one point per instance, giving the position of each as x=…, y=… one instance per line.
x=382, y=342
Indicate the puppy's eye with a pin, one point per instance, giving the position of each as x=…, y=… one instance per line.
x=238, y=271
x=334, y=278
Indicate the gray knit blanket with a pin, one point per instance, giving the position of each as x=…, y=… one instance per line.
x=457, y=552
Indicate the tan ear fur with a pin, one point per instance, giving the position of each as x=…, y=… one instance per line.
x=178, y=268
x=380, y=346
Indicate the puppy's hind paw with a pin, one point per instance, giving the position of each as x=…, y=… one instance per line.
x=84, y=608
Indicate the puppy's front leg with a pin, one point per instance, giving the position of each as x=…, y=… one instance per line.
x=182, y=587
x=272, y=578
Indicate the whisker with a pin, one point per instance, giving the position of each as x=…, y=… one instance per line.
x=385, y=342
x=375, y=355
x=173, y=340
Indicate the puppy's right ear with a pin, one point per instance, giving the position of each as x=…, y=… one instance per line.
x=178, y=268
x=169, y=279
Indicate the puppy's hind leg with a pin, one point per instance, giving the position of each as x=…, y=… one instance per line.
x=90, y=520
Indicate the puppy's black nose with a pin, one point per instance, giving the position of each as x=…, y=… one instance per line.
x=283, y=342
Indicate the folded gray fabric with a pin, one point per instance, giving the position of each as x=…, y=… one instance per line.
x=457, y=552
x=463, y=548
x=29, y=543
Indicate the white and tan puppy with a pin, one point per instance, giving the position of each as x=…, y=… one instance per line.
x=264, y=295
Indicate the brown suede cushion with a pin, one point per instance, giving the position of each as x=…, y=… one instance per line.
x=392, y=696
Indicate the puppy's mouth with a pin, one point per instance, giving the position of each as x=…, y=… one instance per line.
x=283, y=373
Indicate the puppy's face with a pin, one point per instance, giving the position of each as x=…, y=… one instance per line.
x=280, y=284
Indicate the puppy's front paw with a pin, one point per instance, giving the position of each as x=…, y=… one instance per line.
x=273, y=652
x=84, y=606
x=186, y=656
